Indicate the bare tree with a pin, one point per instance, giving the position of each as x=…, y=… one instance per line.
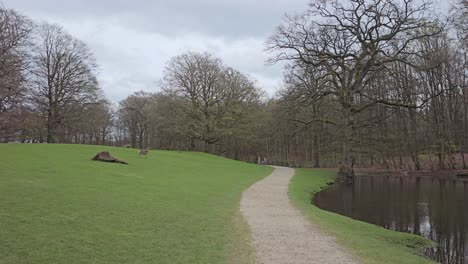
x=460, y=21
x=92, y=126
x=215, y=97
x=168, y=127
x=349, y=42
x=15, y=33
x=135, y=113
x=63, y=77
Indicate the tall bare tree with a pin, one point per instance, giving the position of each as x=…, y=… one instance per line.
x=63, y=77
x=460, y=21
x=215, y=97
x=135, y=113
x=15, y=36
x=349, y=42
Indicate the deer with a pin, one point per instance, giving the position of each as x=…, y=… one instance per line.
x=144, y=152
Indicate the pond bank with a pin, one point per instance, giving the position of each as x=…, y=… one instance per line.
x=456, y=174
x=373, y=244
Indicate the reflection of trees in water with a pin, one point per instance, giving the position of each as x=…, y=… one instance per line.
x=433, y=208
x=448, y=221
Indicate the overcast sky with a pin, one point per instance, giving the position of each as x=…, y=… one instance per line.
x=133, y=39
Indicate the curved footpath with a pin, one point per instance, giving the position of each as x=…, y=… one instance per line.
x=280, y=233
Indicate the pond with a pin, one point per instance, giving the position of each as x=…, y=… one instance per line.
x=434, y=208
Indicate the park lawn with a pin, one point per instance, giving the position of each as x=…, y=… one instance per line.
x=58, y=206
x=371, y=243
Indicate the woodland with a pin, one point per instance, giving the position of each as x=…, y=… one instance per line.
x=367, y=84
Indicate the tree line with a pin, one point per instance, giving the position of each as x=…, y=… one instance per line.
x=48, y=86
x=367, y=83
x=383, y=79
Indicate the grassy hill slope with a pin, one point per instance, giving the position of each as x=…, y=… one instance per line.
x=58, y=206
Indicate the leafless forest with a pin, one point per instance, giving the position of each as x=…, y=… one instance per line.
x=367, y=83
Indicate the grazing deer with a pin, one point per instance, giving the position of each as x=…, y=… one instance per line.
x=144, y=152
x=262, y=162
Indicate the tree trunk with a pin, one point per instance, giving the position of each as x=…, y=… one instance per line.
x=464, y=140
x=316, y=151
x=346, y=170
x=50, y=127
x=192, y=144
x=141, y=139
x=103, y=138
x=205, y=146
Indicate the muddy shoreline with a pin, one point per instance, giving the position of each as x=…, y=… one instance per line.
x=458, y=174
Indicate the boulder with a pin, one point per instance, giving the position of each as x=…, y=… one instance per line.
x=105, y=156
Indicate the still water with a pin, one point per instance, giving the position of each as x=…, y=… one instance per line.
x=431, y=207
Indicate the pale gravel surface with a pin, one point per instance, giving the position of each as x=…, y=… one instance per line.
x=280, y=233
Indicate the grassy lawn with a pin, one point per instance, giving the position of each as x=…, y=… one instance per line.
x=58, y=206
x=373, y=244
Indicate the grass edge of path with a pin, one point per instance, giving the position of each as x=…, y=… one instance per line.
x=370, y=243
x=242, y=249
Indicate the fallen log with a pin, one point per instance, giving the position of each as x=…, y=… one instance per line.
x=105, y=156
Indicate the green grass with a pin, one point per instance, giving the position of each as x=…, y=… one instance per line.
x=58, y=206
x=371, y=243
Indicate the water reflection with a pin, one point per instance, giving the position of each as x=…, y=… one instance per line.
x=434, y=208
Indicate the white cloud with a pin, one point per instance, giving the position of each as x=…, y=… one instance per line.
x=134, y=60
x=133, y=40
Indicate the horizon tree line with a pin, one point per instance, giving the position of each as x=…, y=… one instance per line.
x=367, y=83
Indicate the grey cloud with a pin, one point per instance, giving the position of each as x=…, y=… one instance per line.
x=212, y=17
x=131, y=60
x=132, y=40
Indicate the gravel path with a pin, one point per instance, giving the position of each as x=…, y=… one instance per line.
x=280, y=232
